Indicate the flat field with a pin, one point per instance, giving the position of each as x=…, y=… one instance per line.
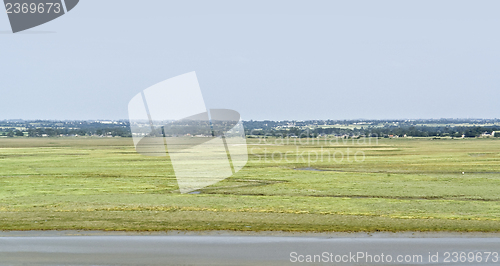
x=287, y=184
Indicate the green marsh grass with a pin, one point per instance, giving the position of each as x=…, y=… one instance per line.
x=400, y=184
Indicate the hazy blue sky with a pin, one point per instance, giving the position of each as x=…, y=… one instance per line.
x=266, y=59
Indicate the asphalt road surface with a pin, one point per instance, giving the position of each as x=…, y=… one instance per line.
x=67, y=248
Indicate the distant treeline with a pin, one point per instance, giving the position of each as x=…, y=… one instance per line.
x=413, y=131
x=313, y=128
x=427, y=131
x=41, y=128
x=374, y=128
x=50, y=132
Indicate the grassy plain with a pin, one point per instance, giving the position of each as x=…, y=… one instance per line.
x=378, y=185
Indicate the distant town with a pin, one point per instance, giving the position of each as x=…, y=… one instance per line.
x=438, y=128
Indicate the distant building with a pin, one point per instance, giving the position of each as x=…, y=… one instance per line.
x=487, y=134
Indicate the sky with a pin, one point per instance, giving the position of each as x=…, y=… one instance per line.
x=268, y=60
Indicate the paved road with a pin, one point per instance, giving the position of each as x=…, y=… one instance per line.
x=236, y=250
